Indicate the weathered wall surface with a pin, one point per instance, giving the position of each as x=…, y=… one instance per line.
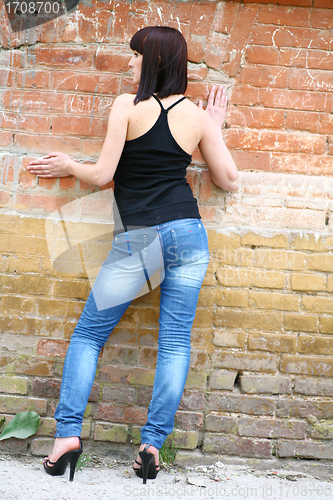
x=261, y=377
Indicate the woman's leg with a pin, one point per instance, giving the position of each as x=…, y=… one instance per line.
x=121, y=278
x=186, y=258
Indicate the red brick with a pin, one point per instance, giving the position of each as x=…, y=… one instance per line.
x=322, y=18
x=305, y=449
x=257, y=54
x=202, y=17
x=292, y=57
x=81, y=126
x=249, y=160
x=135, y=415
x=194, y=401
x=272, y=428
x=35, y=79
x=264, y=76
x=53, y=348
x=293, y=99
x=244, y=95
x=220, y=423
x=65, y=56
x=67, y=182
x=225, y=16
x=234, y=445
x=303, y=79
x=322, y=4
x=240, y=33
x=267, y=140
x=45, y=143
x=302, y=120
x=255, y=117
x=300, y=408
x=325, y=124
x=112, y=60
x=110, y=412
x=285, y=16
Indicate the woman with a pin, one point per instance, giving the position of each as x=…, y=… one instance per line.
x=149, y=143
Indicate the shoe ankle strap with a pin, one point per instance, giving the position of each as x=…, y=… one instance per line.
x=146, y=447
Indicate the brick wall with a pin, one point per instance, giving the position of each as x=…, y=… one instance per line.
x=261, y=377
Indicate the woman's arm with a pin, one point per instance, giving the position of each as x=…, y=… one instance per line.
x=214, y=151
x=58, y=164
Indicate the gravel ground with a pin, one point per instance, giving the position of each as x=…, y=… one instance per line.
x=24, y=479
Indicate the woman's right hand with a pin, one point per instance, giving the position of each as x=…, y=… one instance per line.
x=217, y=104
x=52, y=165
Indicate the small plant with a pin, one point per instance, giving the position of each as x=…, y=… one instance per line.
x=23, y=425
x=84, y=461
x=169, y=450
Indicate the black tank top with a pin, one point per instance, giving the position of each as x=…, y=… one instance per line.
x=149, y=184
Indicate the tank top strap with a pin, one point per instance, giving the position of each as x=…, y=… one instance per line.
x=172, y=105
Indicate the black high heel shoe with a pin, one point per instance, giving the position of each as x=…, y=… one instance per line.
x=148, y=469
x=59, y=467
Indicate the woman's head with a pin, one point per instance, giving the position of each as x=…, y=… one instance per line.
x=164, y=62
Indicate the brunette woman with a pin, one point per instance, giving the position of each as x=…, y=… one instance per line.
x=148, y=146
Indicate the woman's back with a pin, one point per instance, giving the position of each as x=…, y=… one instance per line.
x=183, y=120
x=150, y=181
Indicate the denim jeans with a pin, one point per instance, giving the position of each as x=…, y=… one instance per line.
x=173, y=255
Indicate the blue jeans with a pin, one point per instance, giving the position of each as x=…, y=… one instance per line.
x=173, y=255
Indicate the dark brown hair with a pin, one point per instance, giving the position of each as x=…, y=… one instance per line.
x=164, y=63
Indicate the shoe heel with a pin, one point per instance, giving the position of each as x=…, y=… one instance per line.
x=148, y=464
x=73, y=458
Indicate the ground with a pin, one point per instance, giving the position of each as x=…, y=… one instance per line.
x=22, y=478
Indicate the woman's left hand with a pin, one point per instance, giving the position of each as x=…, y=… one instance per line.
x=52, y=165
x=217, y=104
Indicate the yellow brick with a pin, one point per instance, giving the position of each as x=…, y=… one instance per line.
x=237, y=277
x=280, y=259
x=301, y=322
x=231, y=298
x=318, y=304
x=307, y=365
x=326, y=324
x=12, y=304
x=272, y=343
x=267, y=279
x=23, y=245
x=196, y=379
x=4, y=262
x=330, y=283
x=23, y=264
x=308, y=241
x=308, y=282
x=222, y=241
x=229, y=256
x=320, y=262
x=203, y=318
x=315, y=345
x=272, y=241
x=149, y=316
x=274, y=300
x=229, y=339
x=25, y=285
x=210, y=279
x=206, y=297
x=71, y=289
x=232, y=318
x=202, y=337
x=59, y=308
x=32, y=225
